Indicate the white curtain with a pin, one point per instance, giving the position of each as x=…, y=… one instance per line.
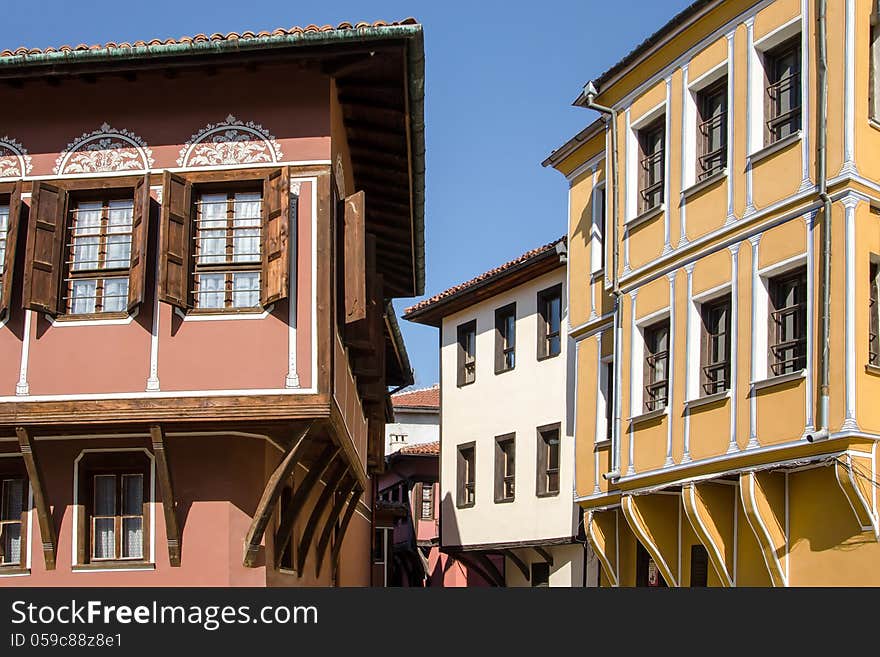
x=211, y=290
x=82, y=296
x=115, y=294
x=119, y=226
x=13, y=506
x=212, y=229
x=105, y=511
x=246, y=289
x=133, y=523
x=246, y=221
x=86, y=236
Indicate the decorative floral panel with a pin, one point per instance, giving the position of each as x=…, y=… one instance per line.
x=104, y=150
x=14, y=159
x=230, y=142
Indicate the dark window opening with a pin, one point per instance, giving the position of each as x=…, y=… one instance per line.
x=716, y=346
x=712, y=129
x=788, y=322
x=656, y=367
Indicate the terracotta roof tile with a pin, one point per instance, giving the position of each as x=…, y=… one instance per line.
x=461, y=287
x=425, y=449
x=421, y=398
x=200, y=38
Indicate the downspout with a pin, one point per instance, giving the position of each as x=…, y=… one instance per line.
x=822, y=182
x=590, y=93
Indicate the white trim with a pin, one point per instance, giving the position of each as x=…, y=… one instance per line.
x=755, y=109
x=153, y=378
x=670, y=376
x=687, y=138
x=849, y=100
x=731, y=103
x=783, y=266
x=787, y=531
x=850, y=203
x=780, y=34
x=223, y=317
x=688, y=373
x=626, y=500
x=691, y=492
x=667, y=161
x=806, y=51
x=757, y=513
x=763, y=384
x=122, y=321
x=734, y=351
x=635, y=364
x=756, y=349
x=22, y=388
x=165, y=394
x=219, y=167
x=589, y=165
x=811, y=285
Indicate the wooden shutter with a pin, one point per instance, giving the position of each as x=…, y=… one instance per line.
x=274, y=278
x=416, y=504
x=140, y=231
x=42, y=274
x=175, y=270
x=355, y=259
x=11, y=250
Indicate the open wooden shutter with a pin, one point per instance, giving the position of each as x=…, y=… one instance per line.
x=175, y=270
x=355, y=259
x=11, y=250
x=274, y=279
x=140, y=231
x=42, y=274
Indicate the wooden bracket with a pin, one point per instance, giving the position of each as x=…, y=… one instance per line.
x=330, y=523
x=343, y=528
x=284, y=533
x=169, y=502
x=489, y=569
x=544, y=554
x=330, y=487
x=519, y=563
x=270, y=496
x=44, y=514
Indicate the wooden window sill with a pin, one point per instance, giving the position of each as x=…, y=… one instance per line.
x=704, y=184
x=466, y=506
x=708, y=399
x=548, y=356
x=504, y=371
x=547, y=494
x=645, y=216
x=100, y=566
x=775, y=147
x=649, y=416
x=91, y=317
x=14, y=571
x=507, y=500
x=873, y=369
x=774, y=381
x=601, y=444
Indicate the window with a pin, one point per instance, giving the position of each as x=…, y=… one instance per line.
x=466, y=475
x=874, y=318
x=379, y=538
x=699, y=567
x=715, y=358
x=98, y=255
x=227, y=256
x=783, y=101
x=467, y=353
x=398, y=438
x=874, y=88
x=652, y=165
x=540, y=574
x=550, y=322
x=656, y=366
x=117, y=523
x=597, y=231
x=548, y=461
x=13, y=525
x=788, y=322
x=4, y=232
x=712, y=130
x=505, y=468
x=427, y=509
x=609, y=400
x=647, y=572
x=505, y=339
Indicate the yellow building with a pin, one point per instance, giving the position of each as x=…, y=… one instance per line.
x=727, y=411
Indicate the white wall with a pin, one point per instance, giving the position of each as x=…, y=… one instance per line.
x=418, y=427
x=520, y=401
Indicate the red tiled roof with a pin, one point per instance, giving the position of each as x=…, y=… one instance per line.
x=492, y=273
x=201, y=38
x=422, y=398
x=426, y=449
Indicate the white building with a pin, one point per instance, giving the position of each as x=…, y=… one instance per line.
x=507, y=447
x=416, y=419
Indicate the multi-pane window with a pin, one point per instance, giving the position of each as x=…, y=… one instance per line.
x=505, y=467
x=548, y=461
x=427, y=502
x=99, y=256
x=783, y=101
x=716, y=346
x=466, y=475
x=656, y=366
x=117, y=520
x=550, y=322
x=227, y=250
x=712, y=129
x=505, y=338
x=540, y=574
x=874, y=317
x=652, y=165
x=12, y=506
x=467, y=353
x=609, y=400
x=788, y=322
x=4, y=231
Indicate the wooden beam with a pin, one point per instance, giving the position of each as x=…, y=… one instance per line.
x=41, y=502
x=270, y=496
x=546, y=556
x=169, y=502
x=486, y=564
x=297, y=502
x=330, y=523
x=343, y=527
x=519, y=563
x=330, y=487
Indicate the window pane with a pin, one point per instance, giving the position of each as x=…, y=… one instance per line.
x=83, y=296
x=13, y=499
x=121, y=215
x=4, y=229
x=105, y=495
x=132, y=538
x=212, y=229
x=115, y=294
x=212, y=290
x=246, y=221
x=86, y=236
x=132, y=495
x=246, y=289
x=10, y=543
x=553, y=452
x=105, y=539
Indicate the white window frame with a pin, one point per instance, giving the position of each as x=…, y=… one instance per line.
x=632, y=160
x=761, y=313
x=637, y=368
x=597, y=228
x=693, y=362
x=691, y=112
x=603, y=399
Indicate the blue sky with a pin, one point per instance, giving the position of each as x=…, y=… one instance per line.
x=500, y=79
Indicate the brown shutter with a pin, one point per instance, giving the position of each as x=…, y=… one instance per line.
x=355, y=259
x=42, y=274
x=140, y=231
x=276, y=226
x=11, y=250
x=175, y=270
